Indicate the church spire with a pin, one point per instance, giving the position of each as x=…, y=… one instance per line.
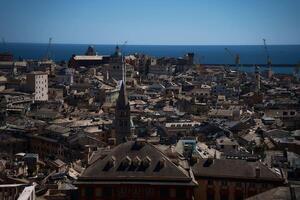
x=122, y=101
x=122, y=116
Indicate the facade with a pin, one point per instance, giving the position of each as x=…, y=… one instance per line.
x=233, y=179
x=135, y=170
x=115, y=67
x=28, y=193
x=174, y=128
x=37, y=82
x=122, y=116
x=10, y=191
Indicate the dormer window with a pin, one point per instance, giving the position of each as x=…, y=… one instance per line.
x=146, y=162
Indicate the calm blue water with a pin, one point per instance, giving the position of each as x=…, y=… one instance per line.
x=254, y=54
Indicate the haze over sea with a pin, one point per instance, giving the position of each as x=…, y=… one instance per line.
x=207, y=54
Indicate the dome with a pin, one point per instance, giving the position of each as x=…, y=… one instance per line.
x=90, y=51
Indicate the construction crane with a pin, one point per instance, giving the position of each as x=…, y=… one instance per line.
x=269, y=62
x=236, y=57
x=238, y=67
x=47, y=55
x=198, y=61
x=3, y=42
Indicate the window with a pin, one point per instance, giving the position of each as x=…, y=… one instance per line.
x=98, y=192
x=238, y=184
x=180, y=192
x=89, y=193
x=210, y=194
x=284, y=113
x=292, y=113
x=82, y=192
x=238, y=195
x=224, y=183
x=172, y=193
x=107, y=191
x=210, y=182
x=252, y=185
x=164, y=192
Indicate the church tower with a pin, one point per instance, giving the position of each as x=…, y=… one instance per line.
x=122, y=116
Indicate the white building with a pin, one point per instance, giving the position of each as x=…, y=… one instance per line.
x=28, y=193
x=37, y=83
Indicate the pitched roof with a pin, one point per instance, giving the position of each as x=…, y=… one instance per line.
x=279, y=193
x=236, y=169
x=135, y=161
x=122, y=101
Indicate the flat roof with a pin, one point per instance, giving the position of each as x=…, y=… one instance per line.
x=84, y=57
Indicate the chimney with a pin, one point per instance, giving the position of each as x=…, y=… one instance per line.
x=257, y=172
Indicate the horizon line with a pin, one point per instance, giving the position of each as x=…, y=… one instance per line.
x=110, y=44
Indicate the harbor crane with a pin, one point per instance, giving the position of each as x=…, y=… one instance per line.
x=47, y=55
x=4, y=44
x=236, y=57
x=269, y=61
x=238, y=67
x=3, y=41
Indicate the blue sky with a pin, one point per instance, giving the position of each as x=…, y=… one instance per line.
x=151, y=21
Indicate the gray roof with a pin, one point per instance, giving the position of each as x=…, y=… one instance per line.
x=279, y=193
x=235, y=169
x=147, y=164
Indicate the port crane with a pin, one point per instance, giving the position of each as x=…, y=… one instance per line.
x=236, y=57
x=238, y=67
x=199, y=59
x=47, y=55
x=4, y=44
x=269, y=61
x=3, y=41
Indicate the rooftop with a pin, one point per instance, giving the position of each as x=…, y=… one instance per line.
x=135, y=161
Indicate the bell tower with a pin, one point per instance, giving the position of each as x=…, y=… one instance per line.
x=122, y=116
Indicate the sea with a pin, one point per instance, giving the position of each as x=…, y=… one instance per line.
x=205, y=54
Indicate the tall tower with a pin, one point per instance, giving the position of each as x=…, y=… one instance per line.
x=257, y=79
x=122, y=116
